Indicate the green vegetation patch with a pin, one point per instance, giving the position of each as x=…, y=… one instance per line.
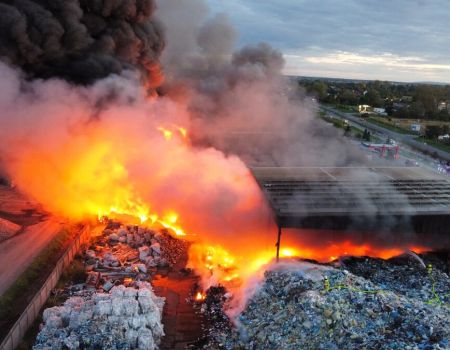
x=435, y=143
x=387, y=126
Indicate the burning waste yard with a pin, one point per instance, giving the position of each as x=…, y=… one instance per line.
x=182, y=158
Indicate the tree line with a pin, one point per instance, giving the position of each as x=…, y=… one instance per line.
x=413, y=101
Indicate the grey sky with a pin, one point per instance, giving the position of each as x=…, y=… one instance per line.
x=405, y=40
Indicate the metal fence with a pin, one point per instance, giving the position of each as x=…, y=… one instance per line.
x=17, y=332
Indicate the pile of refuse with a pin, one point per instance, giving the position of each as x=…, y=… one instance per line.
x=126, y=254
x=312, y=306
x=115, y=308
x=124, y=318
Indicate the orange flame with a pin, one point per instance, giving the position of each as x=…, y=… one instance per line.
x=166, y=132
x=200, y=296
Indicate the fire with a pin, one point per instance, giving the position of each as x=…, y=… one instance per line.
x=166, y=132
x=169, y=221
x=217, y=265
x=169, y=133
x=199, y=296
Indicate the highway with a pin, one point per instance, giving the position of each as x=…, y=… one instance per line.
x=18, y=252
x=406, y=139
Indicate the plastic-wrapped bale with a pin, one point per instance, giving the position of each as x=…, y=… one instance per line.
x=125, y=318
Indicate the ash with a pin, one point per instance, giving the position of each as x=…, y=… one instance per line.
x=116, y=307
x=357, y=303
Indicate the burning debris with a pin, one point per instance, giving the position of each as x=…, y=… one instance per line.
x=310, y=306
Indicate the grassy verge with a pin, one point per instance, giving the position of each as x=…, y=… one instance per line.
x=346, y=108
x=435, y=143
x=388, y=126
x=337, y=122
x=355, y=132
x=14, y=301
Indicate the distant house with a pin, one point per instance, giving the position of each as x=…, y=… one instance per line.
x=380, y=111
x=399, y=105
x=443, y=105
x=416, y=127
x=364, y=109
x=407, y=99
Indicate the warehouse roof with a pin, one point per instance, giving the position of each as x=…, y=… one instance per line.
x=339, y=197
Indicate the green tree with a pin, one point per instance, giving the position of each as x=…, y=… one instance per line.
x=373, y=98
x=348, y=97
x=432, y=131
x=320, y=89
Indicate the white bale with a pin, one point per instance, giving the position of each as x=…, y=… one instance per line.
x=144, y=291
x=131, y=335
x=117, y=306
x=50, y=312
x=103, y=308
x=130, y=292
x=130, y=307
x=54, y=322
x=118, y=291
x=145, y=339
x=100, y=296
x=136, y=322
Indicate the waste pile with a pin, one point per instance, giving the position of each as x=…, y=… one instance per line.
x=116, y=307
x=125, y=254
x=125, y=318
x=398, y=304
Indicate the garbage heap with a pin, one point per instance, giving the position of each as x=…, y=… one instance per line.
x=293, y=309
x=115, y=308
x=125, y=318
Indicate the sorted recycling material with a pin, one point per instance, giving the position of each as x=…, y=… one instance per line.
x=359, y=303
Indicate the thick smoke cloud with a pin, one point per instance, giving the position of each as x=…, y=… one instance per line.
x=239, y=100
x=81, y=41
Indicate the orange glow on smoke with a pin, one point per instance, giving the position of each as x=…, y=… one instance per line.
x=130, y=167
x=167, y=133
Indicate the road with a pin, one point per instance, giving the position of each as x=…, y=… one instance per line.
x=18, y=252
x=406, y=139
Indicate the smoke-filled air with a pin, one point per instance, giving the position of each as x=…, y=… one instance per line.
x=148, y=113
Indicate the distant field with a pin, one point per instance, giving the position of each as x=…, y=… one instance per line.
x=405, y=124
x=436, y=143
x=385, y=123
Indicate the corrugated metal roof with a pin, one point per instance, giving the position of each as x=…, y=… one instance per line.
x=301, y=196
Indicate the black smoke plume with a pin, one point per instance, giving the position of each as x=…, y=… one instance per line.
x=81, y=40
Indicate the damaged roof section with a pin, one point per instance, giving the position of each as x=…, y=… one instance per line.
x=383, y=199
